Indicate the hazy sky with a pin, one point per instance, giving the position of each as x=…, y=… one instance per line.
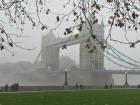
x=33, y=40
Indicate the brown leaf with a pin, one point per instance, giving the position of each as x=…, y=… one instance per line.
x=129, y=27
x=133, y=15
x=120, y=24
x=2, y=31
x=57, y=18
x=68, y=30
x=1, y=47
x=94, y=36
x=76, y=36
x=33, y=24
x=132, y=45
x=11, y=44
x=136, y=28
x=47, y=12
x=64, y=46
x=109, y=1
x=2, y=39
x=80, y=27
x=98, y=7
x=43, y=27
x=88, y=46
x=109, y=22
x=75, y=13
x=65, y=33
x=91, y=51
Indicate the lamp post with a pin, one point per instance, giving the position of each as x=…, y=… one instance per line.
x=66, y=82
x=126, y=82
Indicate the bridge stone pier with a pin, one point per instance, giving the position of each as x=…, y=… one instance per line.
x=89, y=62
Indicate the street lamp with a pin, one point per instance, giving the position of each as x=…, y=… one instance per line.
x=66, y=82
x=126, y=82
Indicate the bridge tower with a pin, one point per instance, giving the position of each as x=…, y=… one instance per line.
x=91, y=61
x=49, y=54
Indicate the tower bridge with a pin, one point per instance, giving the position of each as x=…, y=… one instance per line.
x=51, y=46
x=91, y=70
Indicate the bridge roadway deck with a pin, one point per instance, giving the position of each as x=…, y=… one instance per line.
x=136, y=72
x=72, y=40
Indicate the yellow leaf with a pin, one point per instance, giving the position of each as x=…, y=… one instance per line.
x=103, y=46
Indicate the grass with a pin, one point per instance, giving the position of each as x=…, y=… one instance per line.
x=81, y=97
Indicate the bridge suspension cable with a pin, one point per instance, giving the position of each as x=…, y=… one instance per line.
x=109, y=55
x=115, y=55
x=123, y=54
x=123, y=61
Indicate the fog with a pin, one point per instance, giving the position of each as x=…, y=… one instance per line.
x=24, y=59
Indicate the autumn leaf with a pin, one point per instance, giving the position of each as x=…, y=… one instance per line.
x=76, y=36
x=64, y=46
x=136, y=28
x=68, y=30
x=103, y=46
x=47, y=12
x=132, y=45
x=33, y=24
x=120, y=24
x=75, y=13
x=2, y=39
x=11, y=44
x=65, y=33
x=1, y=47
x=2, y=31
x=74, y=4
x=98, y=7
x=133, y=15
x=91, y=51
x=57, y=18
x=14, y=21
x=94, y=36
x=88, y=46
x=137, y=15
x=109, y=1
x=43, y=27
x=80, y=27
x=109, y=22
